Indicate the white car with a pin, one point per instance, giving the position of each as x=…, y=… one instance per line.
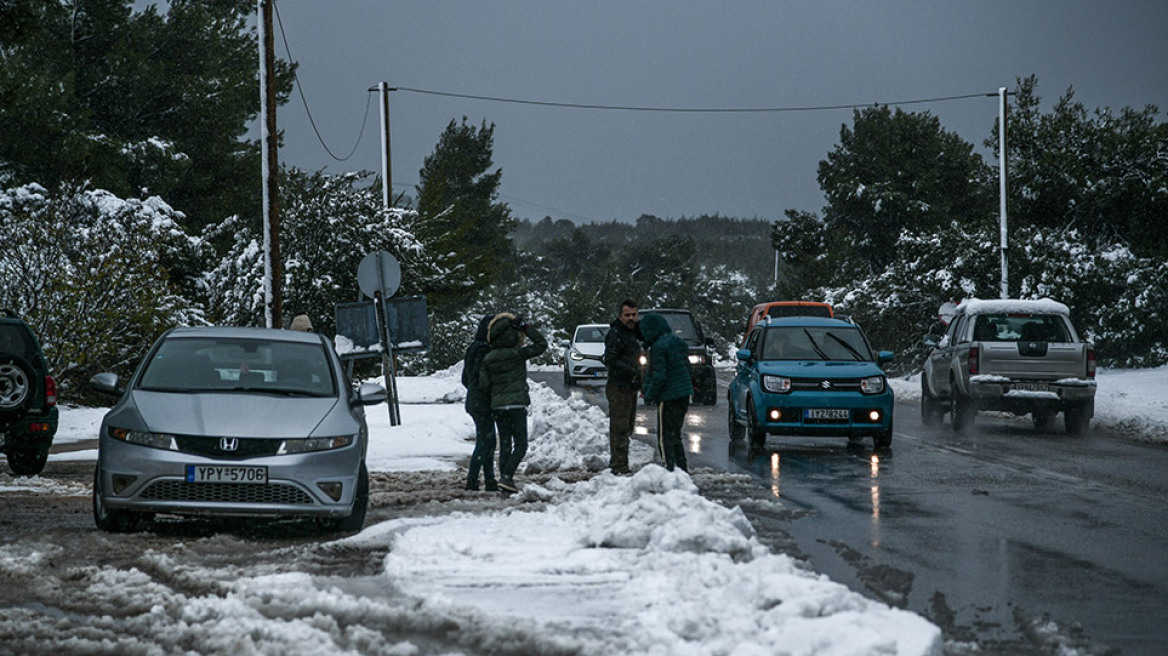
x=583, y=359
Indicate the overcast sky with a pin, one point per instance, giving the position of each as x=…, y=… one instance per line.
x=599, y=165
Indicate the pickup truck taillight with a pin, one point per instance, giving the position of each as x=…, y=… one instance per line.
x=51, y=390
x=973, y=357
x=1090, y=363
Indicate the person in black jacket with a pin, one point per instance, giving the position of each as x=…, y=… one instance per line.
x=622, y=356
x=478, y=406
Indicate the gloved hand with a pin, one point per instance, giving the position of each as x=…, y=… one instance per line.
x=520, y=324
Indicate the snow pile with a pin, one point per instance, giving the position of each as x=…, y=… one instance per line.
x=566, y=433
x=636, y=565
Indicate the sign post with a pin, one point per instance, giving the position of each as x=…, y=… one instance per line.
x=379, y=276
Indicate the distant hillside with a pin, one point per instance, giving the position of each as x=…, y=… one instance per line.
x=742, y=245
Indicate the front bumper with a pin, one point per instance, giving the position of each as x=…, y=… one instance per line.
x=587, y=368
x=145, y=479
x=824, y=413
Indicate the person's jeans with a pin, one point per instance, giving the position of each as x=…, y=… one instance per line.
x=622, y=419
x=512, y=425
x=483, y=456
x=670, y=421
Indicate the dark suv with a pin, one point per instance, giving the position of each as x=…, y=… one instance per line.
x=28, y=398
x=701, y=364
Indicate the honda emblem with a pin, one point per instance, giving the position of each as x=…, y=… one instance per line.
x=228, y=443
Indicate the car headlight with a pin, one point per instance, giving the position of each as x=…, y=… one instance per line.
x=644, y=360
x=575, y=355
x=697, y=358
x=776, y=384
x=872, y=385
x=145, y=438
x=315, y=444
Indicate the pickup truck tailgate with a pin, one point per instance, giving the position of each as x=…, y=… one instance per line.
x=1044, y=361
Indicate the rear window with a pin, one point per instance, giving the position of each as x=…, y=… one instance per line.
x=799, y=311
x=193, y=364
x=1020, y=328
x=16, y=340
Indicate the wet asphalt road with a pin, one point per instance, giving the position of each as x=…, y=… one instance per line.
x=996, y=535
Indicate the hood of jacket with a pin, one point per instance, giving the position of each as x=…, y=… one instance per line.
x=500, y=332
x=484, y=324
x=653, y=326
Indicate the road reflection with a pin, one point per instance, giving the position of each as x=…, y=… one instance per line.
x=874, y=490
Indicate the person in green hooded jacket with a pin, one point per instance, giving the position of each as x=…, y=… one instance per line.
x=668, y=386
x=503, y=375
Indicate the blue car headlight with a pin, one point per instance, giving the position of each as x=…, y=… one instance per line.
x=776, y=384
x=872, y=385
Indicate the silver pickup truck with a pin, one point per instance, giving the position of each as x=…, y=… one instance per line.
x=1018, y=356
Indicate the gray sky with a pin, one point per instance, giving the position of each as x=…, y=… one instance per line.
x=597, y=165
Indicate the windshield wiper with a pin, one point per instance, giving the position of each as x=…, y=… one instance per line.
x=854, y=352
x=815, y=345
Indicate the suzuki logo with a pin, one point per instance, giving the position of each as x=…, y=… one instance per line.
x=228, y=443
x=825, y=384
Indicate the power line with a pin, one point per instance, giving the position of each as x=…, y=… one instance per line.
x=689, y=110
x=300, y=90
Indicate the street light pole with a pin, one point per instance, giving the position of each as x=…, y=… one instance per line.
x=1005, y=290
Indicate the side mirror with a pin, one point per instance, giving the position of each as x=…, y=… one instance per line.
x=884, y=356
x=744, y=355
x=106, y=383
x=371, y=394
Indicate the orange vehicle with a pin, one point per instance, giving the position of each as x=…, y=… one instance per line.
x=787, y=309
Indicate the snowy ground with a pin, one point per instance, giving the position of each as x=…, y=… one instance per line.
x=637, y=565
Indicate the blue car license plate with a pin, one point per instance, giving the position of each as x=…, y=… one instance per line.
x=226, y=474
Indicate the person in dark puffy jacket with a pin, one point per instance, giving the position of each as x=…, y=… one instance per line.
x=622, y=357
x=503, y=375
x=478, y=406
x=667, y=385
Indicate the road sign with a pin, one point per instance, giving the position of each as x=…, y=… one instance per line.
x=379, y=272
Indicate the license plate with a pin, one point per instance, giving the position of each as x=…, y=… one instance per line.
x=226, y=474
x=1032, y=387
x=601, y=374
x=827, y=413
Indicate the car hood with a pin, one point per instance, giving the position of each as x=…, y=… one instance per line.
x=820, y=369
x=591, y=349
x=234, y=414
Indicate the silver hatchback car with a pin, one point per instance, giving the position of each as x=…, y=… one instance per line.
x=246, y=422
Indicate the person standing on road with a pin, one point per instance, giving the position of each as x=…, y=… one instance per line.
x=622, y=357
x=503, y=375
x=478, y=406
x=667, y=386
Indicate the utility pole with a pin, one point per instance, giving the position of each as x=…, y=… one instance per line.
x=273, y=269
x=1005, y=291
x=386, y=169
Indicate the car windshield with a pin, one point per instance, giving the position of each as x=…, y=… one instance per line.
x=814, y=343
x=683, y=326
x=590, y=334
x=1020, y=328
x=198, y=364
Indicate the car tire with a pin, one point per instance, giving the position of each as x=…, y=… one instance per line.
x=710, y=393
x=932, y=412
x=568, y=380
x=1077, y=419
x=28, y=460
x=756, y=437
x=107, y=519
x=737, y=431
x=355, y=521
x=961, y=409
x=883, y=439
x=15, y=385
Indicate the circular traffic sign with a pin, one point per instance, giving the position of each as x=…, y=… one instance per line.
x=379, y=272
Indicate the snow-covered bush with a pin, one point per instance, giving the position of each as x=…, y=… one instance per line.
x=96, y=277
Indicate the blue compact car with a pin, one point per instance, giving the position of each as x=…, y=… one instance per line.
x=810, y=376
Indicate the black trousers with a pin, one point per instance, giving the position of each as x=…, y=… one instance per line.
x=483, y=456
x=512, y=425
x=670, y=421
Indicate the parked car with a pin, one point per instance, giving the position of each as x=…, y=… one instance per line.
x=583, y=358
x=238, y=422
x=1018, y=356
x=810, y=376
x=786, y=309
x=28, y=398
x=701, y=362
